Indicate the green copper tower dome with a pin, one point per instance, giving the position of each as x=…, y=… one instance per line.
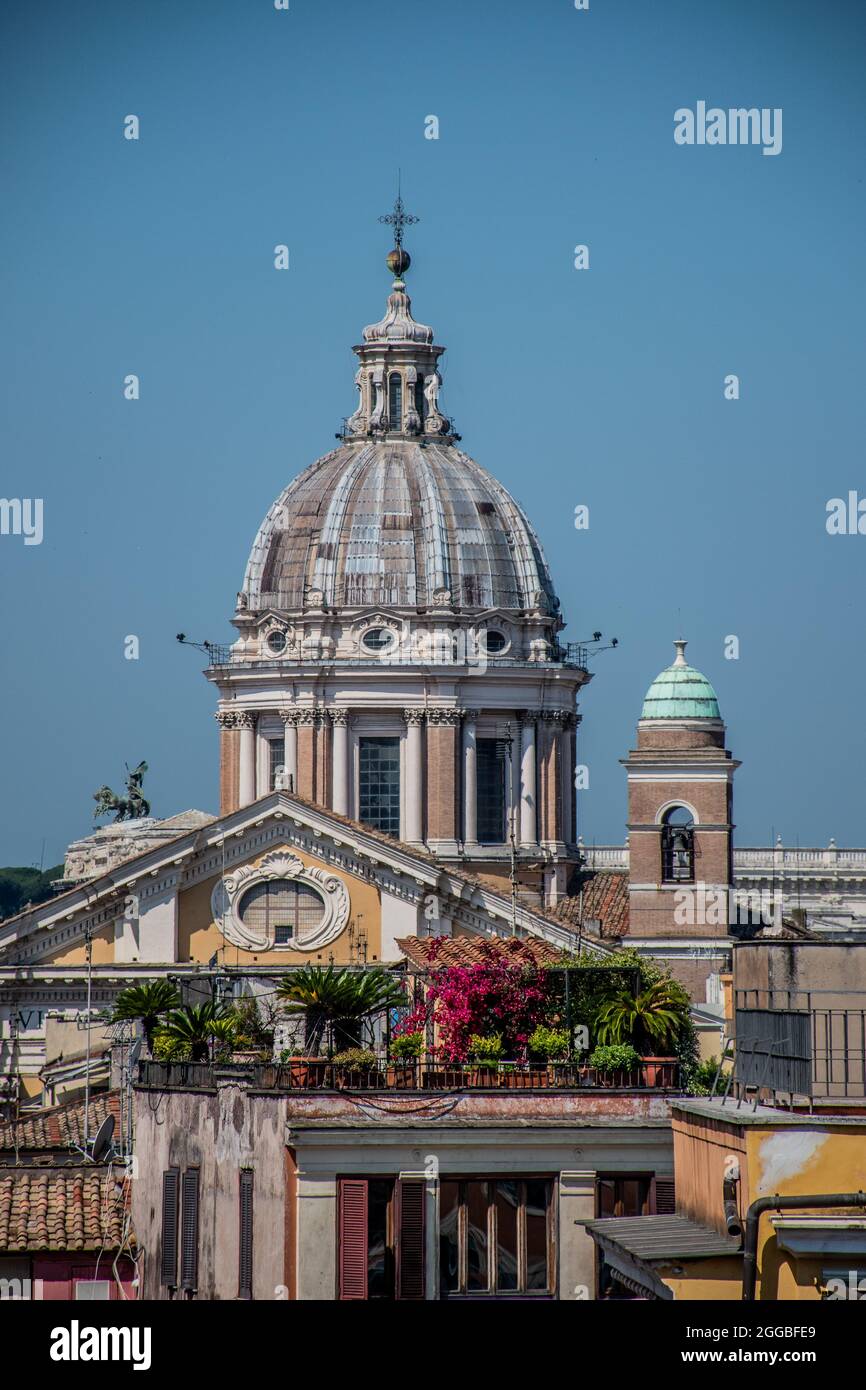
x=680, y=692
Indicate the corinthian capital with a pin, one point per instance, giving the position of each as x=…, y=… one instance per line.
x=339, y=717
x=225, y=718
x=445, y=717
x=414, y=716
x=245, y=720
x=290, y=716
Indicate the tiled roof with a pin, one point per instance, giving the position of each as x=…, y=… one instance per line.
x=662, y=1238
x=60, y=1127
x=475, y=950
x=604, y=899
x=62, y=1209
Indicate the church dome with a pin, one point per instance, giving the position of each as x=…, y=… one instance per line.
x=397, y=522
x=397, y=516
x=680, y=692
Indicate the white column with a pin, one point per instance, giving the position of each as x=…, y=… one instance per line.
x=414, y=810
x=290, y=749
x=470, y=779
x=528, y=796
x=247, y=789
x=340, y=762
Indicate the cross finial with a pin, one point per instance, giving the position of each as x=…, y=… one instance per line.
x=399, y=218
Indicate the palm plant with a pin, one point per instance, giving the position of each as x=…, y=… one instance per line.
x=651, y=1018
x=192, y=1027
x=338, y=999
x=148, y=1002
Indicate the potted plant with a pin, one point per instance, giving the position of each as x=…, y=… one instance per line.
x=485, y=1051
x=549, y=1046
x=613, y=1063
x=355, y=1067
x=652, y=1020
x=404, y=1054
x=333, y=1003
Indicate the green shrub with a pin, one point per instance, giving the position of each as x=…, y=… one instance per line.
x=356, y=1058
x=702, y=1076
x=486, y=1049
x=551, y=1044
x=614, y=1057
x=408, y=1045
x=168, y=1049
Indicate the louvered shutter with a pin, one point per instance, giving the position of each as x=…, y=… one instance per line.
x=170, y=1183
x=245, y=1261
x=410, y=1199
x=664, y=1201
x=353, y=1238
x=189, y=1231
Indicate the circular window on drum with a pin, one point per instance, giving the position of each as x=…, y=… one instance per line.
x=282, y=911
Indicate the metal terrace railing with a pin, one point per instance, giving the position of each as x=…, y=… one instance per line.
x=808, y=1043
x=572, y=655
x=421, y=1074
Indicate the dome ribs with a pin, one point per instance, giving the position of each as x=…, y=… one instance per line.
x=392, y=523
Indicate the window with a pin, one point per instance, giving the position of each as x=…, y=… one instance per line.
x=620, y=1195
x=395, y=401
x=382, y=1242
x=634, y=1194
x=493, y=642
x=491, y=762
x=276, y=762
x=678, y=846
x=379, y=790
x=91, y=1289
x=378, y=639
x=245, y=1234
x=170, y=1194
x=277, y=641
x=496, y=1237
x=282, y=909
x=420, y=400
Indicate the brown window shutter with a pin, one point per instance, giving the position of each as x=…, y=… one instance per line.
x=410, y=1199
x=189, y=1232
x=353, y=1238
x=170, y=1185
x=245, y=1260
x=664, y=1202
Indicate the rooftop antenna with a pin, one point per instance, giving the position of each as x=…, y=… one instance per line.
x=102, y=1145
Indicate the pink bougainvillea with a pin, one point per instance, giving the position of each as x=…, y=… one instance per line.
x=494, y=995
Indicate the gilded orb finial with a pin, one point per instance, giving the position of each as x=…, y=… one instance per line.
x=398, y=260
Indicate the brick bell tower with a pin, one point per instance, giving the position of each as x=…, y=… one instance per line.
x=680, y=824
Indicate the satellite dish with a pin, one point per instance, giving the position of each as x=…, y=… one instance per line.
x=134, y=1053
x=102, y=1142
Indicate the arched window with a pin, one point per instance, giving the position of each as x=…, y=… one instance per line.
x=395, y=401
x=284, y=910
x=678, y=846
x=420, y=399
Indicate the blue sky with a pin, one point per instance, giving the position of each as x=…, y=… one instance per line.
x=602, y=387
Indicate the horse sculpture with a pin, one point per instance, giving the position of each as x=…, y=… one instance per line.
x=130, y=807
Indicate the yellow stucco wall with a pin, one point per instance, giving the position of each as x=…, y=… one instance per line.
x=788, y=1160
x=797, y=1162
x=704, y=1279
x=103, y=950
x=199, y=936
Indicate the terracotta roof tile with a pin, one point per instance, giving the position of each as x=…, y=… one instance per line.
x=62, y=1209
x=604, y=899
x=60, y=1127
x=474, y=950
